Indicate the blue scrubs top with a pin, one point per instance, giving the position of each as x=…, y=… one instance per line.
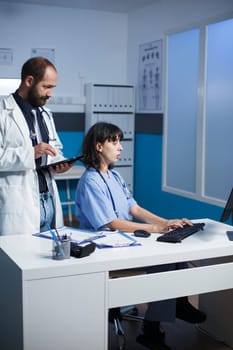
x=96, y=197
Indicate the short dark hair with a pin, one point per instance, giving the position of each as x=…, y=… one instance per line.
x=98, y=133
x=36, y=67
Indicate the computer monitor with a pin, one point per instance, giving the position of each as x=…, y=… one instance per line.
x=228, y=210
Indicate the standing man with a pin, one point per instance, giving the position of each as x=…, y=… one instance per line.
x=29, y=199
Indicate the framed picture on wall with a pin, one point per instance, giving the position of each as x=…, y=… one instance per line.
x=150, y=77
x=46, y=53
x=6, y=56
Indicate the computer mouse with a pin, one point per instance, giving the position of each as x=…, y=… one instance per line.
x=141, y=233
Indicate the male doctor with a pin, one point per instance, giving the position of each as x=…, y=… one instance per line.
x=29, y=199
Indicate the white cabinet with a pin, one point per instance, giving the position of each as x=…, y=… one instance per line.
x=47, y=304
x=53, y=313
x=114, y=104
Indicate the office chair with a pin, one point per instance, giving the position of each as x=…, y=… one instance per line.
x=116, y=315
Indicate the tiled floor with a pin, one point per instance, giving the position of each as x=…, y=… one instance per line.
x=179, y=336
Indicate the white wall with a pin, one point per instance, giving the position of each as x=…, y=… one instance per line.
x=152, y=22
x=90, y=44
x=93, y=44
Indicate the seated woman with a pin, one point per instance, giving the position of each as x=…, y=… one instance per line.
x=104, y=202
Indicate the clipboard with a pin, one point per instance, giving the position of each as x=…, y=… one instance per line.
x=65, y=160
x=116, y=239
x=102, y=239
x=77, y=236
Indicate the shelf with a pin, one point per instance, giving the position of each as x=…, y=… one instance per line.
x=73, y=174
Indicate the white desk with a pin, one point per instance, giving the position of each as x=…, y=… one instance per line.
x=48, y=304
x=73, y=174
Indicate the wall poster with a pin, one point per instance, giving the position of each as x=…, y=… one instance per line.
x=46, y=53
x=150, y=77
x=6, y=56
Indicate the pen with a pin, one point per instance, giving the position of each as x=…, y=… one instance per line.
x=58, y=236
x=56, y=240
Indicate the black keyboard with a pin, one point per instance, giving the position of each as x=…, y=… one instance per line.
x=178, y=234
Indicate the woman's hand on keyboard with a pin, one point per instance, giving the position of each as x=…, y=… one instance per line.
x=175, y=223
x=167, y=225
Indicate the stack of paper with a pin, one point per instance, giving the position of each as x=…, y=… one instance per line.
x=115, y=239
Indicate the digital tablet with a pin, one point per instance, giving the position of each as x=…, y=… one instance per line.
x=65, y=160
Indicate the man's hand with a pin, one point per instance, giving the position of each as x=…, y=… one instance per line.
x=61, y=168
x=44, y=148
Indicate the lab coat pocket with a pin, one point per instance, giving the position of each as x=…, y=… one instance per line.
x=11, y=199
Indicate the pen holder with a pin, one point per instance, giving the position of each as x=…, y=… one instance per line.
x=61, y=249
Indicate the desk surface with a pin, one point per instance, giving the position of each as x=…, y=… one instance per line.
x=33, y=254
x=34, y=284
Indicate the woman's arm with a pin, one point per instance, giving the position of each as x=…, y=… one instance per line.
x=152, y=222
x=131, y=226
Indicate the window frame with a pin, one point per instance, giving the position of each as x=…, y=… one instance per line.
x=199, y=191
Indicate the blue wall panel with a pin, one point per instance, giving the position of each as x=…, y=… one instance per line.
x=72, y=142
x=147, y=185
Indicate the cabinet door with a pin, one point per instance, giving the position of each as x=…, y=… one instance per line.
x=65, y=313
x=123, y=121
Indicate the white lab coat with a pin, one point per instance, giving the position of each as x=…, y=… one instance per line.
x=19, y=190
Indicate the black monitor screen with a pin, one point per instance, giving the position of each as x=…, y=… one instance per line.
x=228, y=210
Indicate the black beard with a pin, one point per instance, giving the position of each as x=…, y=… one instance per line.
x=35, y=100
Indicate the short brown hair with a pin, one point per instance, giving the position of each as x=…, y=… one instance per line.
x=36, y=67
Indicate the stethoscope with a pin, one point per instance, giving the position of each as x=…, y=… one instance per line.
x=53, y=131
x=123, y=186
x=51, y=135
